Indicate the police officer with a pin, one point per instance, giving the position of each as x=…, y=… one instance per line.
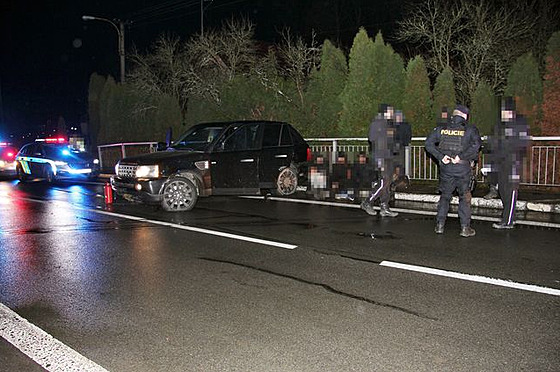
x=382, y=140
x=510, y=143
x=455, y=145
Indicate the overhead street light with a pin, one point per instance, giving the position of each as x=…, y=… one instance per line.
x=120, y=33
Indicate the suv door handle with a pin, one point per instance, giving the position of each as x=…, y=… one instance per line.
x=281, y=156
x=247, y=160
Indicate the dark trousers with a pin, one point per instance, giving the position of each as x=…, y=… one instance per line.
x=508, y=191
x=382, y=190
x=450, y=180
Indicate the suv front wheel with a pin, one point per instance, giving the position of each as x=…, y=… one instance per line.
x=179, y=194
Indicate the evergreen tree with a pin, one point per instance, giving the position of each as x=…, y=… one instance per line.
x=324, y=90
x=444, y=93
x=417, y=97
x=551, y=89
x=525, y=84
x=389, y=76
x=106, y=102
x=358, y=107
x=96, y=85
x=484, y=109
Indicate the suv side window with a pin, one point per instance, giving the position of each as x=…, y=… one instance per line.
x=298, y=139
x=286, y=139
x=271, y=135
x=29, y=150
x=39, y=150
x=244, y=138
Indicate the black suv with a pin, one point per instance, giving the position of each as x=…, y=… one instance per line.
x=227, y=158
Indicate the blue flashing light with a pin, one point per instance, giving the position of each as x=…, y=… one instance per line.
x=65, y=152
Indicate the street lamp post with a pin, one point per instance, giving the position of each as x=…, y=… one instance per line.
x=120, y=33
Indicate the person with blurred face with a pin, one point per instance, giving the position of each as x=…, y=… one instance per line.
x=510, y=143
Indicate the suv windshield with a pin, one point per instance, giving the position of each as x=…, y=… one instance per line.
x=198, y=138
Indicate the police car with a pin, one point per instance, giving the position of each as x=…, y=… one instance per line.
x=7, y=158
x=53, y=159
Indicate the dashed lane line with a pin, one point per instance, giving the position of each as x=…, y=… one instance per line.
x=200, y=230
x=41, y=347
x=472, y=278
x=177, y=226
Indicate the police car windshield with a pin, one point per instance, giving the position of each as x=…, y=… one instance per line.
x=57, y=151
x=198, y=138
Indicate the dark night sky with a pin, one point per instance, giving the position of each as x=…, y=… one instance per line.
x=48, y=52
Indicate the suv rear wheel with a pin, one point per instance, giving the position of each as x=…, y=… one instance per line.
x=179, y=194
x=287, y=181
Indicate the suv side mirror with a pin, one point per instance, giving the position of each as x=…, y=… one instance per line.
x=161, y=146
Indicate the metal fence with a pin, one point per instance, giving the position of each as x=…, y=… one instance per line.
x=110, y=154
x=542, y=166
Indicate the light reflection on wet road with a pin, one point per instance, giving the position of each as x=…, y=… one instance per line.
x=132, y=295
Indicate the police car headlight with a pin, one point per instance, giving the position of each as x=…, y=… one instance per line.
x=147, y=171
x=95, y=161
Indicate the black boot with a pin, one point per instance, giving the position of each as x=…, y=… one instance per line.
x=386, y=211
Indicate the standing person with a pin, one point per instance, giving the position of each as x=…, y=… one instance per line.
x=382, y=139
x=455, y=145
x=403, y=136
x=511, y=140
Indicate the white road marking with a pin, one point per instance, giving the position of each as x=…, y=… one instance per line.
x=472, y=278
x=405, y=210
x=44, y=349
x=174, y=225
x=199, y=230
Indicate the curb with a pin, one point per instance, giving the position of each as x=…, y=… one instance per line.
x=482, y=203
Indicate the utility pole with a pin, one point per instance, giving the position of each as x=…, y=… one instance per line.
x=121, y=49
x=201, y=17
x=120, y=33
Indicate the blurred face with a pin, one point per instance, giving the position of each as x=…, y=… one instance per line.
x=507, y=115
x=389, y=113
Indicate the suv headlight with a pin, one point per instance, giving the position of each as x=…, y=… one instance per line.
x=147, y=171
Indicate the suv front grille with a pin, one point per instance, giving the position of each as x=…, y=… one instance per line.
x=126, y=170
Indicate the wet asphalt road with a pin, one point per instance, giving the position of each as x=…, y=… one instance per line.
x=136, y=295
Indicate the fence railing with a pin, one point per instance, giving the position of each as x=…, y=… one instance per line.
x=542, y=166
x=110, y=154
x=541, y=169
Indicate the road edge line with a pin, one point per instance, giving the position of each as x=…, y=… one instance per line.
x=41, y=347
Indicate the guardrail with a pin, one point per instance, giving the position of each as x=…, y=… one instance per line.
x=542, y=167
